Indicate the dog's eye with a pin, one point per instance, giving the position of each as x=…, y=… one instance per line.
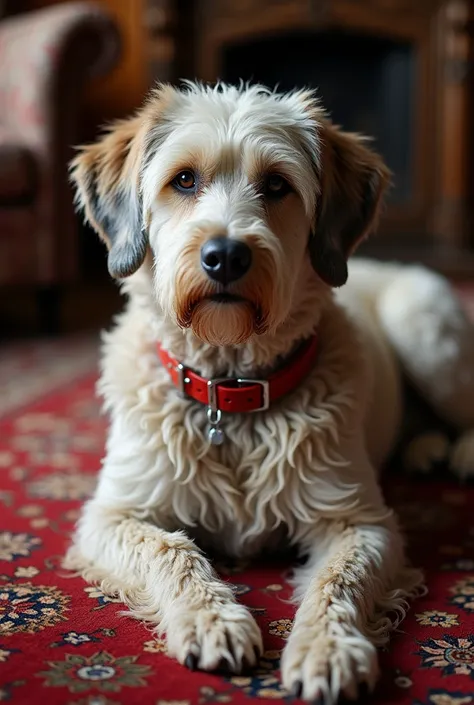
x=185, y=181
x=275, y=186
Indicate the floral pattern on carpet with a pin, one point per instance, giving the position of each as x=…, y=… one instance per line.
x=79, y=649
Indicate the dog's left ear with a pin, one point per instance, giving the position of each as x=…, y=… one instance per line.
x=353, y=180
x=106, y=177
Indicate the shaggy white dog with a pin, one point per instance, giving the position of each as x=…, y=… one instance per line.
x=230, y=214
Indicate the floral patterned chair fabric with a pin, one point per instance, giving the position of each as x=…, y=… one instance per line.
x=45, y=58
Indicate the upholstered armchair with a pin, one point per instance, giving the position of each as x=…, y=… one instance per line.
x=46, y=57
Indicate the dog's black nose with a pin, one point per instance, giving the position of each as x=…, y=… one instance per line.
x=225, y=260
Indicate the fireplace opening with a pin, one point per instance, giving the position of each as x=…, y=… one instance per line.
x=365, y=83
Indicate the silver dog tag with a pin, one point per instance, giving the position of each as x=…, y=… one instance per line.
x=215, y=434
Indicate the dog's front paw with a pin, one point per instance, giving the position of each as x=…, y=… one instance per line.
x=321, y=665
x=209, y=638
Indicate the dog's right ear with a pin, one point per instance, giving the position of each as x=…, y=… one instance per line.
x=353, y=182
x=106, y=177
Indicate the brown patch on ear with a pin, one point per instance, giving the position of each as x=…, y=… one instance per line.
x=106, y=176
x=353, y=181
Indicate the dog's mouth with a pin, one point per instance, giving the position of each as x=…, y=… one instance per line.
x=223, y=318
x=222, y=297
x=225, y=298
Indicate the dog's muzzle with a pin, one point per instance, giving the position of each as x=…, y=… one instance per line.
x=225, y=260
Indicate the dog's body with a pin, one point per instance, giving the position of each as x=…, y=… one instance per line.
x=303, y=471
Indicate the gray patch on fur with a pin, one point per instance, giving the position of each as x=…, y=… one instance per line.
x=121, y=220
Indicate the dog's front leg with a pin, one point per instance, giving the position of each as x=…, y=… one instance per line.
x=353, y=575
x=164, y=578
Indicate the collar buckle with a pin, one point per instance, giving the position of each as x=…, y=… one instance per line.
x=265, y=387
x=182, y=380
x=212, y=392
x=212, y=385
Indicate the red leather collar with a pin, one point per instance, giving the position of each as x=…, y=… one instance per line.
x=240, y=395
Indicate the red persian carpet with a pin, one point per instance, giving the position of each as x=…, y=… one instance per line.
x=63, y=642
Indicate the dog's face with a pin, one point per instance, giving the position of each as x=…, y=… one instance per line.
x=238, y=194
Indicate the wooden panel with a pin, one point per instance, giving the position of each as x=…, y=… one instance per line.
x=171, y=31
x=123, y=90
x=453, y=212
x=161, y=23
x=223, y=10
